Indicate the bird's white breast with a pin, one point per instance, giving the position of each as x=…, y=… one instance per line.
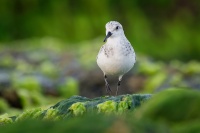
x=116, y=57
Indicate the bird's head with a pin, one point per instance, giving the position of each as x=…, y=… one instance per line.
x=113, y=29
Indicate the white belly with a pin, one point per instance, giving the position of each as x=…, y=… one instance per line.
x=117, y=64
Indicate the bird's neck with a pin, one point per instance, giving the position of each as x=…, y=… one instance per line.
x=116, y=39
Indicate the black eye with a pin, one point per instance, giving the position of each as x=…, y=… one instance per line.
x=117, y=27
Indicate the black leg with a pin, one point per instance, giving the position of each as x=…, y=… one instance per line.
x=118, y=84
x=108, y=90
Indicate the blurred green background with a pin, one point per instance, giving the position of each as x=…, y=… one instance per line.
x=164, y=29
x=48, y=48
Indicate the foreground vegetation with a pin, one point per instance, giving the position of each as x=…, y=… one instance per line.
x=173, y=110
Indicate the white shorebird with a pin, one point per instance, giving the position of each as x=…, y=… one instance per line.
x=116, y=56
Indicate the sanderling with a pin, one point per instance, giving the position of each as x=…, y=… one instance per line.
x=116, y=56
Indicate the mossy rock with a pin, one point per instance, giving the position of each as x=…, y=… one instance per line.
x=105, y=104
x=78, y=105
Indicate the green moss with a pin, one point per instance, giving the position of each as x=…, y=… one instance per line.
x=29, y=99
x=51, y=114
x=7, y=61
x=154, y=82
x=4, y=119
x=29, y=83
x=77, y=106
x=3, y=105
x=107, y=107
x=193, y=67
x=149, y=68
x=124, y=105
x=25, y=98
x=30, y=114
x=23, y=66
x=77, y=109
x=49, y=69
x=106, y=104
x=69, y=88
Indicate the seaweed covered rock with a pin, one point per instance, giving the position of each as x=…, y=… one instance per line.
x=78, y=105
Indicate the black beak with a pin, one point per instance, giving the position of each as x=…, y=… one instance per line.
x=107, y=36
